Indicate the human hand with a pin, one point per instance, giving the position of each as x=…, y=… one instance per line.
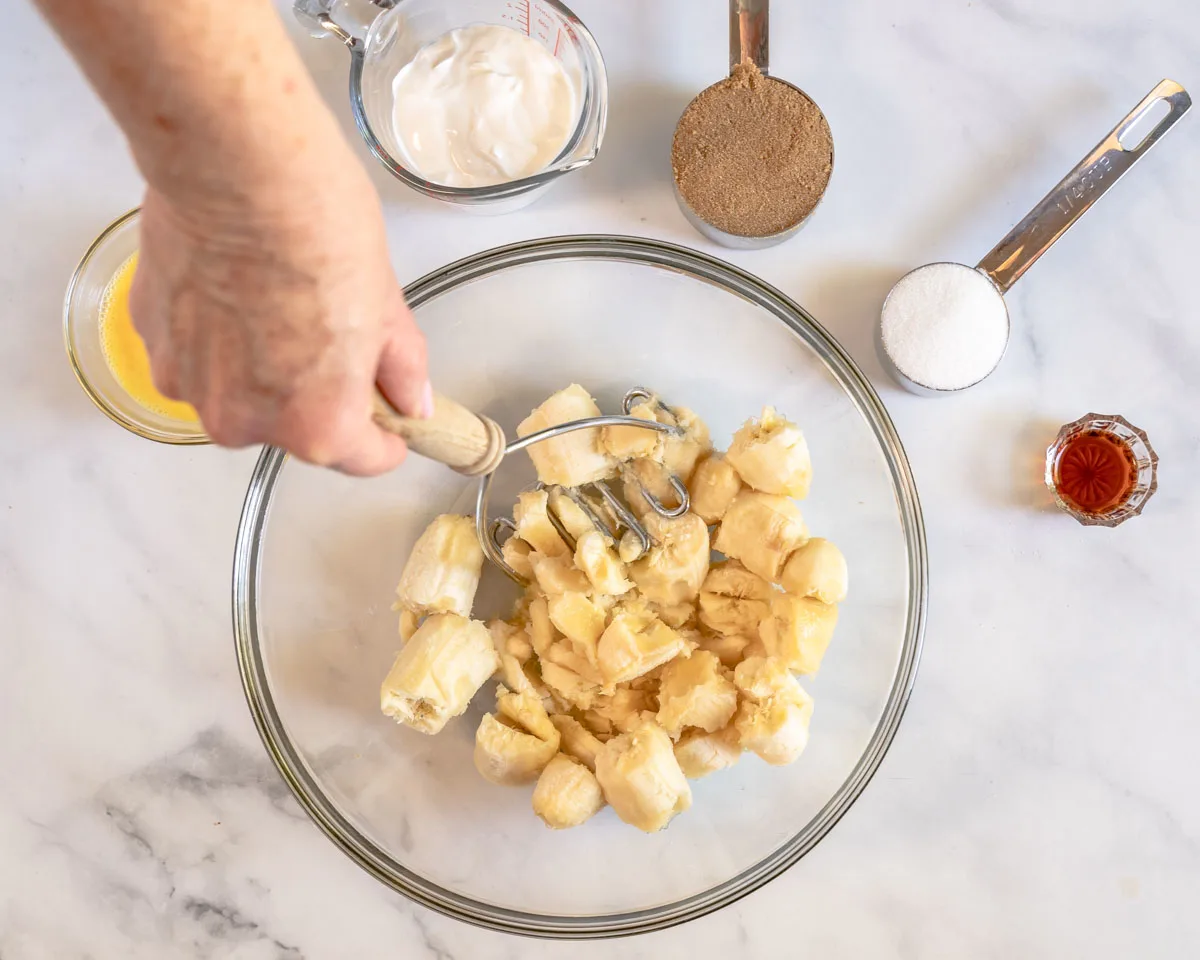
x=276, y=314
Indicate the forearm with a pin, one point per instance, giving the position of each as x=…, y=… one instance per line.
x=216, y=104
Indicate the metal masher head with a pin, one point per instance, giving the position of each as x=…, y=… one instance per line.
x=601, y=507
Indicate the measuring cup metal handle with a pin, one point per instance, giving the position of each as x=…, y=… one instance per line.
x=1081, y=188
x=748, y=34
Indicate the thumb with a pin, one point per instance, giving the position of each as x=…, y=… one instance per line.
x=403, y=375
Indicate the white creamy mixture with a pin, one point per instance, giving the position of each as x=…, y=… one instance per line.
x=482, y=105
x=945, y=325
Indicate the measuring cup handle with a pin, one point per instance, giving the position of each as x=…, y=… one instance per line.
x=471, y=444
x=1081, y=188
x=748, y=34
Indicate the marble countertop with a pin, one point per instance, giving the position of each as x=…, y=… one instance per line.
x=1040, y=798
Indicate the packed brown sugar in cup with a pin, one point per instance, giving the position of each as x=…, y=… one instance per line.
x=752, y=155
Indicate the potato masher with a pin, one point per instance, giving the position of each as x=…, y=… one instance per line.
x=474, y=445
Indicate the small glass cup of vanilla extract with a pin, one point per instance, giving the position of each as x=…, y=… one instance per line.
x=108, y=357
x=1101, y=469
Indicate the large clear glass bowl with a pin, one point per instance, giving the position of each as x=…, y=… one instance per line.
x=318, y=556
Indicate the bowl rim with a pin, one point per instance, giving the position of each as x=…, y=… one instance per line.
x=247, y=568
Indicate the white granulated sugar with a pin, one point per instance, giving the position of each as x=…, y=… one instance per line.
x=945, y=325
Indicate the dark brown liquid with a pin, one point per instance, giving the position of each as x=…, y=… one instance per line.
x=1095, y=472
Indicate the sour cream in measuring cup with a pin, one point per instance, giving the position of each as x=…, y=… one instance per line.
x=482, y=105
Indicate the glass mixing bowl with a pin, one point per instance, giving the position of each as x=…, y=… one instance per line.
x=318, y=556
x=384, y=36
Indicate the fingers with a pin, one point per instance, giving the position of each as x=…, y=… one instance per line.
x=403, y=375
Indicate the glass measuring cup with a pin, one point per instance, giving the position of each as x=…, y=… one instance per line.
x=1074, y=195
x=749, y=39
x=384, y=35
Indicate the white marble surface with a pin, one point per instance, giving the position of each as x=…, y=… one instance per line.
x=1040, y=799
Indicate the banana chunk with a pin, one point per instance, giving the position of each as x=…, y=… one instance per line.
x=694, y=692
x=762, y=530
x=574, y=458
x=680, y=454
x=699, y=753
x=675, y=567
x=440, y=669
x=627, y=443
x=798, y=631
x=579, y=619
x=712, y=487
x=442, y=572
x=532, y=518
x=567, y=793
x=734, y=601
x=729, y=649
x=816, y=569
x=677, y=616
x=635, y=642
x=557, y=575
x=771, y=455
x=409, y=622
x=516, y=553
x=641, y=778
x=568, y=686
x=515, y=743
x=774, y=714
x=600, y=564
x=576, y=740
x=776, y=729
x=622, y=711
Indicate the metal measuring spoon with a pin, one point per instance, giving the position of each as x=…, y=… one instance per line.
x=1044, y=224
x=749, y=39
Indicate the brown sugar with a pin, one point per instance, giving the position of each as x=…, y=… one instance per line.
x=752, y=155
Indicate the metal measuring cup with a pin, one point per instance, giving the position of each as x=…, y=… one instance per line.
x=1052, y=217
x=749, y=39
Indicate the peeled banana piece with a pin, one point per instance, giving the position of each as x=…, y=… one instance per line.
x=680, y=454
x=627, y=443
x=641, y=778
x=635, y=642
x=771, y=455
x=599, y=563
x=734, y=601
x=774, y=714
x=798, y=631
x=555, y=575
x=675, y=567
x=761, y=530
x=730, y=650
x=574, y=458
x=576, y=740
x=818, y=570
x=442, y=572
x=712, y=487
x=694, y=692
x=438, y=671
x=567, y=793
x=699, y=753
x=515, y=743
x=578, y=618
x=532, y=518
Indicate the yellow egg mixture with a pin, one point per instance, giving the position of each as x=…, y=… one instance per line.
x=126, y=354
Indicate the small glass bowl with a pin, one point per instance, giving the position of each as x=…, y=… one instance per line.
x=393, y=38
x=81, y=328
x=1144, y=457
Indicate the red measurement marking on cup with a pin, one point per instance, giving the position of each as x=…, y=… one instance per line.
x=557, y=41
x=518, y=13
